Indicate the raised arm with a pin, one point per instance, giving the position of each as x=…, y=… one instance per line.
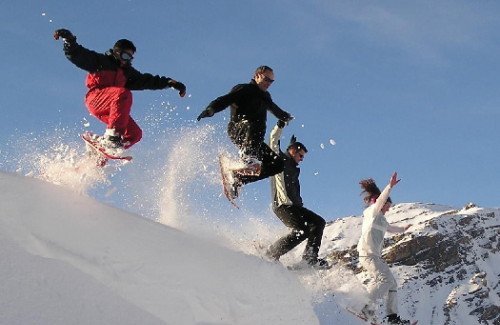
x=380, y=202
x=83, y=58
x=274, y=138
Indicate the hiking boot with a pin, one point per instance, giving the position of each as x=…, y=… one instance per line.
x=111, y=142
x=395, y=319
x=252, y=167
x=234, y=190
x=368, y=312
x=318, y=263
x=234, y=187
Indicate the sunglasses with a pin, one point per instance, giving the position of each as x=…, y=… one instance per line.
x=126, y=56
x=268, y=79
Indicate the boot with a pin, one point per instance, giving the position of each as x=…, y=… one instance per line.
x=234, y=188
x=395, y=319
x=252, y=167
x=368, y=312
x=318, y=263
x=111, y=142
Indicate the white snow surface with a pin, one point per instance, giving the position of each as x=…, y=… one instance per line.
x=69, y=259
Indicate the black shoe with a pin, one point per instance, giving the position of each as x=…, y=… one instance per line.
x=319, y=263
x=112, y=144
x=368, y=312
x=112, y=141
x=234, y=188
x=395, y=319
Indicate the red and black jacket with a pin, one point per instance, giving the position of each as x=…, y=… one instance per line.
x=105, y=70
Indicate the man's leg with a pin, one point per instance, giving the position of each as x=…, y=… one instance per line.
x=112, y=106
x=132, y=134
x=292, y=218
x=272, y=164
x=315, y=225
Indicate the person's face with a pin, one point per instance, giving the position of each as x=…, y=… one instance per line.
x=264, y=79
x=297, y=155
x=124, y=56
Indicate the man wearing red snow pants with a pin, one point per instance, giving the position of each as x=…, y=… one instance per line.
x=110, y=80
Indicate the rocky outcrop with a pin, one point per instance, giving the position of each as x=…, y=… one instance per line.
x=450, y=253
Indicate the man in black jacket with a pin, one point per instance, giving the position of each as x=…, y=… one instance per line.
x=247, y=126
x=110, y=80
x=289, y=208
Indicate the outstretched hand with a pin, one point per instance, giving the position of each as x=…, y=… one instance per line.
x=179, y=86
x=208, y=112
x=394, y=179
x=65, y=35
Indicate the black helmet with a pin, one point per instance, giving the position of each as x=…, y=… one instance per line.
x=124, y=44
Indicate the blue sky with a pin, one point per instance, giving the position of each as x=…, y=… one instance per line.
x=405, y=86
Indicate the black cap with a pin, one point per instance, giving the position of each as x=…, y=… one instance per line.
x=124, y=44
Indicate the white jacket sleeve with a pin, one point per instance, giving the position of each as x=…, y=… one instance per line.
x=278, y=187
x=379, y=204
x=274, y=141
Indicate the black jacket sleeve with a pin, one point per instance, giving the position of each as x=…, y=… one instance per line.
x=140, y=81
x=85, y=59
x=222, y=102
x=276, y=110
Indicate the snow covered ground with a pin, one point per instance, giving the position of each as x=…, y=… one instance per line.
x=69, y=259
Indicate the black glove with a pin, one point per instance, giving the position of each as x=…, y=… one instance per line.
x=288, y=119
x=179, y=86
x=65, y=34
x=208, y=112
x=281, y=124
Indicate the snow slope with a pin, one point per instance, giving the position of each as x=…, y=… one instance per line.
x=67, y=259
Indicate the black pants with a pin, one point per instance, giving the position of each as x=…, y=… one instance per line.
x=305, y=224
x=272, y=164
x=248, y=136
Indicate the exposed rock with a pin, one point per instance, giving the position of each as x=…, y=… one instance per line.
x=448, y=252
